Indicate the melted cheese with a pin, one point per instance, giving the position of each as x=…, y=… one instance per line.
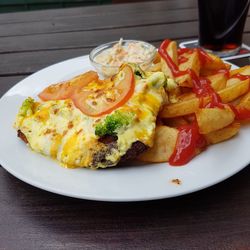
x=60, y=130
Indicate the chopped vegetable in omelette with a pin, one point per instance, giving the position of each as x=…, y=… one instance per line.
x=88, y=122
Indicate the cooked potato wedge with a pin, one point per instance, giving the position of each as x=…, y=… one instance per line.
x=191, y=105
x=164, y=145
x=193, y=63
x=172, y=51
x=212, y=119
x=218, y=81
x=243, y=71
x=211, y=66
x=223, y=134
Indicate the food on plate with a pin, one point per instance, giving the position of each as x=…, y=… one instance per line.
x=187, y=100
x=109, y=57
x=94, y=123
x=207, y=103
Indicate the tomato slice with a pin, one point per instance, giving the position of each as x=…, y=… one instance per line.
x=102, y=97
x=65, y=90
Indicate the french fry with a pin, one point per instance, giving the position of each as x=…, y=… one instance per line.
x=172, y=51
x=186, y=96
x=243, y=71
x=223, y=134
x=164, y=145
x=218, y=81
x=192, y=63
x=191, y=105
x=245, y=102
x=232, y=81
x=211, y=66
x=180, y=108
x=212, y=119
x=234, y=91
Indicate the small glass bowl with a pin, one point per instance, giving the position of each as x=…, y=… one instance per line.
x=106, y=70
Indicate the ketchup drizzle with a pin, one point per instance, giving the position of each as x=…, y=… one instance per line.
x=188, y=141
x=202, y=88
x=182, y=59
x=173, y=67
x=203, y=56
x=240, y=113
x=241, y=77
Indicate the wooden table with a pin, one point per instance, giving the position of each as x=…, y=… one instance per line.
x=215, y=218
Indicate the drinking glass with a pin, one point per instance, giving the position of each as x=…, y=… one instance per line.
x=221, y=25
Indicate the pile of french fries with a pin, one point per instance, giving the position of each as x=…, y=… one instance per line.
x=215, y=124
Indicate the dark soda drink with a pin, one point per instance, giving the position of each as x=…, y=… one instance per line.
x=221, y=25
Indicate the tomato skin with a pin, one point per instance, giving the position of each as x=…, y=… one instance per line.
x=65, y=90
x=60, y=91
x=122, y=89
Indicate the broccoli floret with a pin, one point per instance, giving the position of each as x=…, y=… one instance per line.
x=26, y=108
x=112, y=123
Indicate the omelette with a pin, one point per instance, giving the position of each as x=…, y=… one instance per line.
x=95, y=123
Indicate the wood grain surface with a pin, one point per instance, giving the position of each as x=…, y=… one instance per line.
x=30, y=218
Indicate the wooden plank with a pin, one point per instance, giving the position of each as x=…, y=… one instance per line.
x=95, y=10
x=146, y=7
x=30, y=62
x=81, y=39
x=85, y=23
x=89, y=39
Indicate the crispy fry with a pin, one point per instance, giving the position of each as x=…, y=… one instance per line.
x=172, y=51
x=245, y=102
x=218, y=81
x=191, y=105
x=243, y=71
x=234, y=91
x=211, y=66
x=164, y=145
x=180, y=108
x=192, y=63
x=212, y=119
x=223, y=134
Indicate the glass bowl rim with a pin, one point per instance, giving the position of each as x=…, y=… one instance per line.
x=108, y=45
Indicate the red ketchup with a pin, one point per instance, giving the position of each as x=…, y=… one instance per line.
x=203, y=56
x=202, y=88
x=182, y=51
x=240, y=113
x=224, y=71
x=188, y=141
x=241, y=77
x=182, y=59
x=173, y=67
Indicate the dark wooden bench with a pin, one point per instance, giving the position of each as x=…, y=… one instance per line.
x=24, y=5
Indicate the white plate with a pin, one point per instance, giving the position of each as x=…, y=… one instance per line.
x=128, y=183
